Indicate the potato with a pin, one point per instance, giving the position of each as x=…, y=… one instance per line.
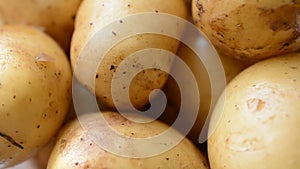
x=231, y=68
x=256, y=126
x=75, y=149
x=35, y=83
x=94, y=15
x=56, y=17
x=250, y=30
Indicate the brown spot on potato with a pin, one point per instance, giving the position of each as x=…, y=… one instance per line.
x=62, y=144
x=255, y=104
x=294, y=67
x=112, y=67
x=200, y=8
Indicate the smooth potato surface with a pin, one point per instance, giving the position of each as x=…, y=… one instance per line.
x=256, y=126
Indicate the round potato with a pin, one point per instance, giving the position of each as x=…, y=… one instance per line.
x=231, y=68
x=55, y=17
x=259, y=118
x=35, y=91
x=74, y=149
x=94, y=15
x=250, y=30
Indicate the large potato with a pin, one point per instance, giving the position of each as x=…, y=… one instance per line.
x=260, y=119
x=56, y=17
x=250, y=30
x=35, y=83
x=94, y=15
x=231, y=68
x=74, y=149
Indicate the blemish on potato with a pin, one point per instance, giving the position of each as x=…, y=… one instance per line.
x=255, y=104
x=112, y=67
x=11, y=140
x=200, y=8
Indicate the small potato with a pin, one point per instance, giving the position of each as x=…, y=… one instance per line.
x=35, y=91
x=257, y=125
x=74, y=149
x=250, y=30
x=55, y=17
x=94, y=15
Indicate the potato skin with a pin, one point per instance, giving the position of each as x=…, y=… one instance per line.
x=259, y=125
x=35, y=83
x=93, y=15
x=56, y=17
x=250, y=30
x=74, y=149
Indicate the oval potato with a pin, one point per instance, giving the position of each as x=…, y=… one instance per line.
x=259, y=118
x=74, y=149
x=35, y=91
x=93, y=15
x=55, y=17
x=250, y=30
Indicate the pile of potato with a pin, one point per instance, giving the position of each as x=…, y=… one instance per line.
x=254, y=123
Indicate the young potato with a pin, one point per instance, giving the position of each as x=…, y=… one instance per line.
x=94, y=15
x=250, y=30
x=74, y=148
x=55, y=17
x=231, y=68
x=35, y=91
x=259, y=118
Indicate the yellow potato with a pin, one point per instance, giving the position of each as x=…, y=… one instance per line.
x=35, y=91
x=55, y=17
x=74, y=149
x=231, y=68
x=259, y=118
x=250, y=30
x=93, y=16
